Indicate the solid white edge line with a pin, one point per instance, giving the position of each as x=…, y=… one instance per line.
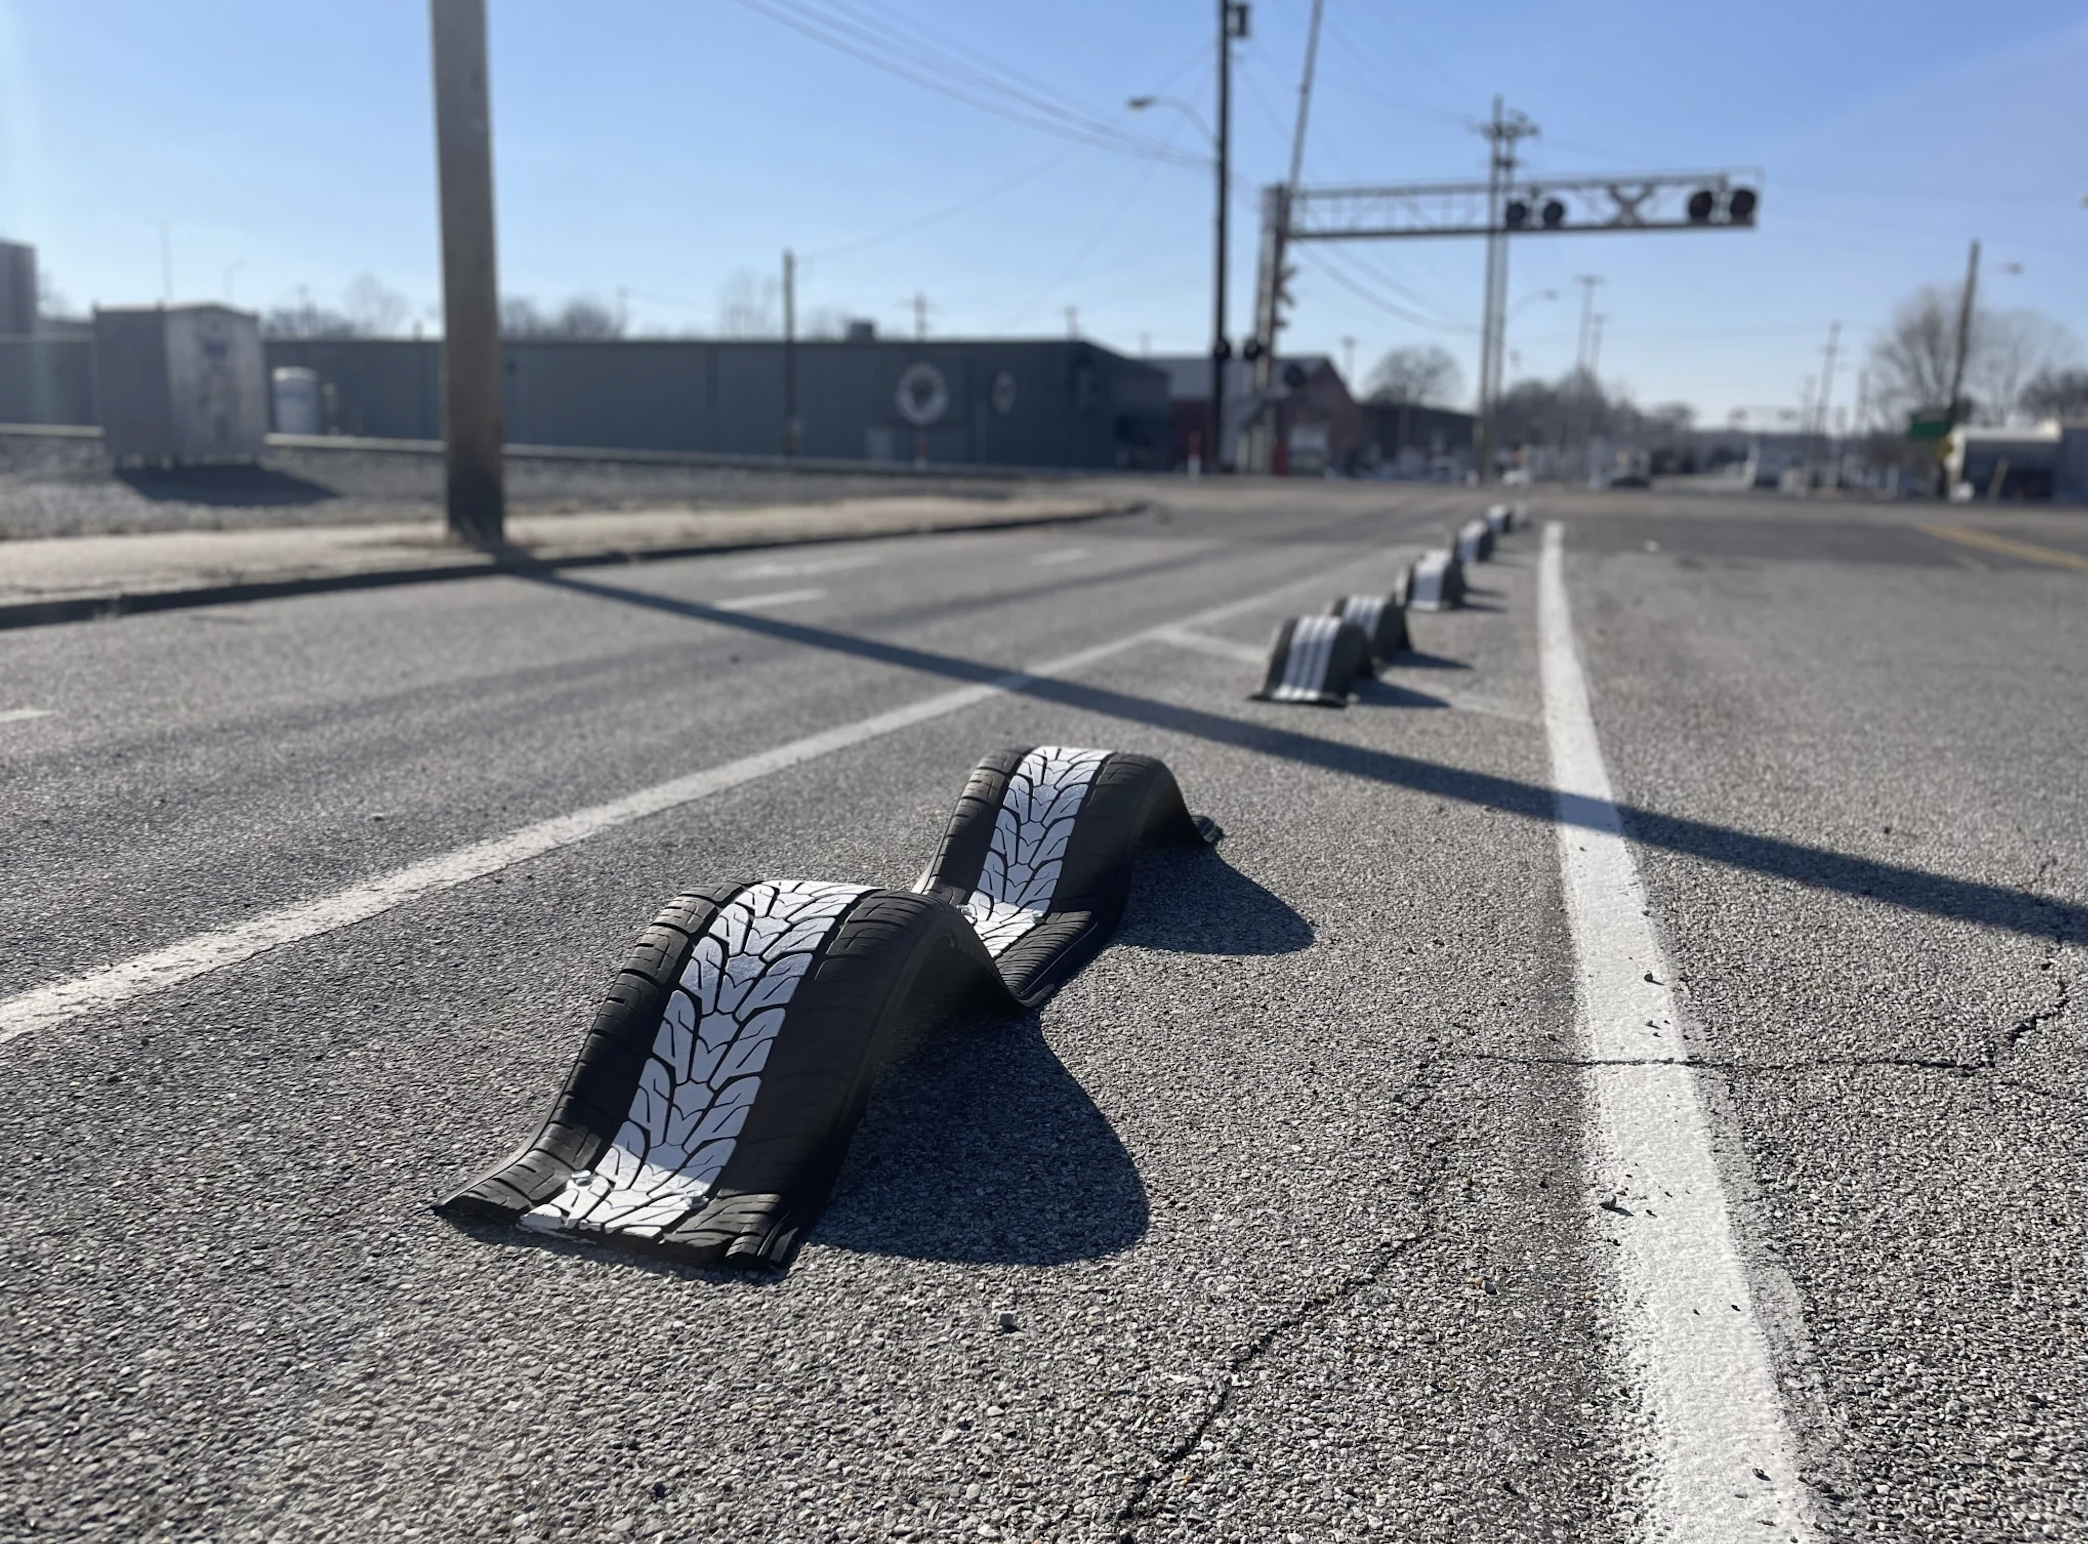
x=1693, y=1347
x=19, y=715
x=47, y=1006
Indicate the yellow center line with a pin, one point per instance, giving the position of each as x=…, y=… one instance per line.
x=2028, y=551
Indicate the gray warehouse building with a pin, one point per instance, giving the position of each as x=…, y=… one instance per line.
x=1044, y=403
x=1013, y=403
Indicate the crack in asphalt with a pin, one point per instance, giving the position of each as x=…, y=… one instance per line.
x=1138, y=1507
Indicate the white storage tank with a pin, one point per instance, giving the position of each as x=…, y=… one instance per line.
x=180, y=383
x=296, y=393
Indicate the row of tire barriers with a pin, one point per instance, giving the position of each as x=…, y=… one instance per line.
x=1316, y=660
x=715, y=1096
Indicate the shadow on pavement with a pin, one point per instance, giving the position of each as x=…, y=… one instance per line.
x=1194, y=902
x=981, y=1147
x=1414, y=659
x=1940, y=895
x=236, y=485
x=1385, y=694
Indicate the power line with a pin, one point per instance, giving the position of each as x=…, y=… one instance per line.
x=1322, y=259
x=1002, y=97
x=971, y=200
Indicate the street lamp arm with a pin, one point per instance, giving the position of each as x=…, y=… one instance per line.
x=1139, y=104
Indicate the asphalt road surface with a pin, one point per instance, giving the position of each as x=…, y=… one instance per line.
x=1318, y=1207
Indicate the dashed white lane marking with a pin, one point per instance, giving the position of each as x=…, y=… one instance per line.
x=1714, y=1422
x=792, y=568
x=1062, y=555
x=17, y=715
x=46, y=1007
x=769, y=601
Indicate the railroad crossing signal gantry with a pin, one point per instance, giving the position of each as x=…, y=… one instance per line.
x=1497, y=207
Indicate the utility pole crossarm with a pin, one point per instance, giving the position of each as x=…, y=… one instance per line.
x=1548, y=206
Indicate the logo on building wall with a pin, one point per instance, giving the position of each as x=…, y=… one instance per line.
x=1004, y=393
x=923, y=396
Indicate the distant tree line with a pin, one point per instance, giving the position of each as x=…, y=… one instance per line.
x=748, y=306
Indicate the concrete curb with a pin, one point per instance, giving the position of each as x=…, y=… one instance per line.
x=119, y=603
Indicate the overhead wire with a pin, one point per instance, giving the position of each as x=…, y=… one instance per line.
x=1326, y=264
x=970, y=201
x=947, y=75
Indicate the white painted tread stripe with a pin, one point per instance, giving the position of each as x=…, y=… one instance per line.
x=21, y=715
x=1693, y=1347
x=46, y=1007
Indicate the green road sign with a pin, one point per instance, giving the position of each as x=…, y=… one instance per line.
x=1919, y=428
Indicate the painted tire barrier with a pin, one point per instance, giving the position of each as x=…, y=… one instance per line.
x=1500, y=519
x=1383, y=621
x=1435, y=583
x=715, y=1096
x=1475, y=542
x=1315, y=660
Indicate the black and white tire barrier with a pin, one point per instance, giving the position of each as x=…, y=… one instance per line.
x=1315, y=660
x=1500, y=519
x=1383, y=621
x=716, y=1094
x=1475, y=542
x=1435, y=582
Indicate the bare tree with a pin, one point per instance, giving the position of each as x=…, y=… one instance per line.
x=824, y=324
x=373, y=309
x=749, y=306
x=50, y=300
x=2010, y=349
x=306, y=319
x=1912, y=363
x=2057, y=394
x=1424, y=375
x=581, y=317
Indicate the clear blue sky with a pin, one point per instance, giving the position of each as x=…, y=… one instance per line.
x=663, y=147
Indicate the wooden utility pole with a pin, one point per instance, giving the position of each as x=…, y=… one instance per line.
x=470, y=277
x=1964, y=336
x=1232, y=22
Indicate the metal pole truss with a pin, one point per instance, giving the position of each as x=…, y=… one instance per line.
x=1557, y=206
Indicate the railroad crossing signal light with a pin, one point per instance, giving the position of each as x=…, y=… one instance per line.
x=1701, y=205
x=1518, y=214
x=1740, y=206
x=1554, y=214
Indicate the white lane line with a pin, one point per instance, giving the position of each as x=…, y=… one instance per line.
x=18, y=715
x=798, y=567
x=1062, y=555
x=1692, y=1344
x=46, y=1007
x=767, y=602
x=1217, y=648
